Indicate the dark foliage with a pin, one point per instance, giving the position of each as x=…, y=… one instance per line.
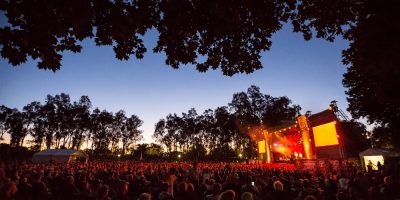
x=354, y=138
x=230, y=35
x=60, y=123
x=373, y=77
x=226, y=130
x=8, y=152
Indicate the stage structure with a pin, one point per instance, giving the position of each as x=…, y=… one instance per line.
x=317, y=136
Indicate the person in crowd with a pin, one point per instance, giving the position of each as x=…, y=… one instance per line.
x=24, y=189
x=216, y=191
x=144, y=196
x=310, y=197
x=8, y=191
x=228, y=195
x=122, y=192
x=39, y=188
x=341, y=196
x=380, y=166
x=247, y=196
x=103, y=193
x=279, y=193
x=69, y=191
x=370, y=166
x=171, y=180
x=165, y=196
x=182, y=192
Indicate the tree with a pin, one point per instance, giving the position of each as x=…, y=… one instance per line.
x=4, y=115
x=355, y=137
x=81, y=120
x=196, y=153
x=64, y=120
x=102, y=136
x=141, y=149
x=130, y=132
x=154, y=150
x=50, y=123
x=17, y=127
x=372, y=78
x=35, y=123
x=382, y=137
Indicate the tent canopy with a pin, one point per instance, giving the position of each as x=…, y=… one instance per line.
x=61, y=152
x=380, y=152
x=59, y=156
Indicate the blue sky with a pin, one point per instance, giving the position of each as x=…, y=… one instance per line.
x=308, y=72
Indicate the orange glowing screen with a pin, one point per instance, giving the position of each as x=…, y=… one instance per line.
x=325, y=135
x=261, y=146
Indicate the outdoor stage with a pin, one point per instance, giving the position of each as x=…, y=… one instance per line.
x=317, y=136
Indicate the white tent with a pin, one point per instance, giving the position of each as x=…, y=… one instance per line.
x=376, y=155
x=59, y=156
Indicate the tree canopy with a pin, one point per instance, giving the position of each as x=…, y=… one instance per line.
x=225, y=131
x=60, y=123
x=229, y=34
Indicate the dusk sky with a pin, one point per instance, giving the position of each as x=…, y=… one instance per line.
x=308, y=72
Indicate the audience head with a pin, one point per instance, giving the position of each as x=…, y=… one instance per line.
x=228, y=195
x=165, y=196
x=8, y=190
x=103, y=192
x=310, y=197
x=182, y=187
x=190, y=187
x=216, y=188
x=123, y=187
x=247, y=196
x=144, y=196
x=70, y=180
x=278, y=186
x=341, y=196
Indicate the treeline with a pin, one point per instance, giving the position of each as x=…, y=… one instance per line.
x=60, y=123
x=227, y=131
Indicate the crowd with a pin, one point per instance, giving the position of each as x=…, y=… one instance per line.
x=106, y=180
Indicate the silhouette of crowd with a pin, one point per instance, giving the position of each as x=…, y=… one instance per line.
x=127, y=180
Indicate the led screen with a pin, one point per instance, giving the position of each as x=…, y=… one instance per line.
x=325, y=135
x=261, y=147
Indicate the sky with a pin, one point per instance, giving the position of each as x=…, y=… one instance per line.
x=308, y=72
